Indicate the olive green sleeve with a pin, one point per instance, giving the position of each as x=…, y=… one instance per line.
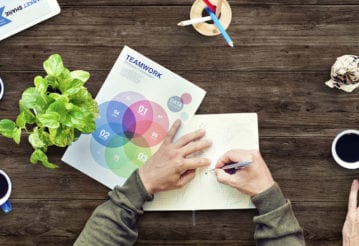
x=114, y=221
x=276, y=223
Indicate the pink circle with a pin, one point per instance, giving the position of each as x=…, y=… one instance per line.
x=186, y=98
x=160, y=116
x=143, y=113
x=153, y=136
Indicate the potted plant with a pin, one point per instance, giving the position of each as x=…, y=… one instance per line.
x=53, y=112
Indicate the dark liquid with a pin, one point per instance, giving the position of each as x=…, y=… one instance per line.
x=4, y=186
x=347, y=147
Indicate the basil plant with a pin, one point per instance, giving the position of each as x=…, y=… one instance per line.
x=54, y=112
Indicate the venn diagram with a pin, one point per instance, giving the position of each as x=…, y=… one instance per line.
x=128, y=127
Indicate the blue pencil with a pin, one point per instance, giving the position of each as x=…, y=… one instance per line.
x=220, y=27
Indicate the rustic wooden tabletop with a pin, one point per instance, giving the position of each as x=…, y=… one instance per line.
x=283, y=53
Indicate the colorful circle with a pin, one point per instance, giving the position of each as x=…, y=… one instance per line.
x=175, y=104
x=128, y=127
x=186, y=98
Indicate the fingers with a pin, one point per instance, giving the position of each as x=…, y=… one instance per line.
x=186, y=177
x=235, y=155
x=353, y=196
x=183, y=141
x=226, y=158
x=223, y=177
x=195, y=146
x=194, y=163
x=172, y=132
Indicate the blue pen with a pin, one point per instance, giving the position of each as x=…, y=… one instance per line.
x=220, y=27
x=235, y=166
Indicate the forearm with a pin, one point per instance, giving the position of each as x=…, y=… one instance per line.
x=276, y=223
x=114, y=222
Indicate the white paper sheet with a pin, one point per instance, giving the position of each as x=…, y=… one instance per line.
x=138, y=102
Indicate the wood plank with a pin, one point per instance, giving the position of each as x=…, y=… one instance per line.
x=190, y=2
x=288, y=104
x=40, y=222
x=295, y=42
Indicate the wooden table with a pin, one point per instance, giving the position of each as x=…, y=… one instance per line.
x=284, y=51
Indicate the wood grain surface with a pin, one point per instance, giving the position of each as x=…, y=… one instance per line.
x=283, y=54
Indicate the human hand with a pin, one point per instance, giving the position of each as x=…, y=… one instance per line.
x=171, y=166
x=351, y=224
x=252, y=179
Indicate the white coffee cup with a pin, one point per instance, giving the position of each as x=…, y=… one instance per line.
x=338, y=157
x=5, y=191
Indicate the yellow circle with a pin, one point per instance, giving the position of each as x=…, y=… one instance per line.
x=210, y=29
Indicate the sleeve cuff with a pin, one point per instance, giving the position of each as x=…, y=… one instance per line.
x=134, y=190
x=269, y=199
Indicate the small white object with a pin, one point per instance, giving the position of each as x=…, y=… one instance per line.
x=345, y=73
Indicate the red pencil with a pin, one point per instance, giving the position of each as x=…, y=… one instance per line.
x=210, y=5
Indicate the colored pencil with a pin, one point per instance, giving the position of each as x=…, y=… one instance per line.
x=220, y=27
x=210, y=5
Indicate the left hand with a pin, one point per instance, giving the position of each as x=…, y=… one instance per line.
x=171, y=166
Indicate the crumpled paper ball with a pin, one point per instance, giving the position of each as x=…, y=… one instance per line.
x=345, y=73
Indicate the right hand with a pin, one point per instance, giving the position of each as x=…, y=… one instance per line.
x=252, y=179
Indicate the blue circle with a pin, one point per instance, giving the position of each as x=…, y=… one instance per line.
x=175, y=104
x=106, y=136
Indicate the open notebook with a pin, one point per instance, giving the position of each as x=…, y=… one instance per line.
x=227, y=131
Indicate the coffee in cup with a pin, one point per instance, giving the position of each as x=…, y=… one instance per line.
x=345, y=149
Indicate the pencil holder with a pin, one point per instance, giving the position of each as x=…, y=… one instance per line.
x=208, y=28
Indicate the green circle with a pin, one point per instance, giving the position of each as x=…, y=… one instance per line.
x=118, y=162
x=136, y=154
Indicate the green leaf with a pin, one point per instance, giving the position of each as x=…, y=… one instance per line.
x=39, y=155
x=33, y=99
x=52, y=82
x=74, y=87
x=21, y=120
x=54, y=65
x=62, y=136
x=50, y=119
x=29, y=116
x=39, y=139
x=80, y=75
x=7, y=128
x=40, y=84
x=16, y=136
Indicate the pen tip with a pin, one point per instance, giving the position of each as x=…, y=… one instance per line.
x=180, y=24
x=231, y=44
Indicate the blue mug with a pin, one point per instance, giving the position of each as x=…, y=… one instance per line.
x=5, y=191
